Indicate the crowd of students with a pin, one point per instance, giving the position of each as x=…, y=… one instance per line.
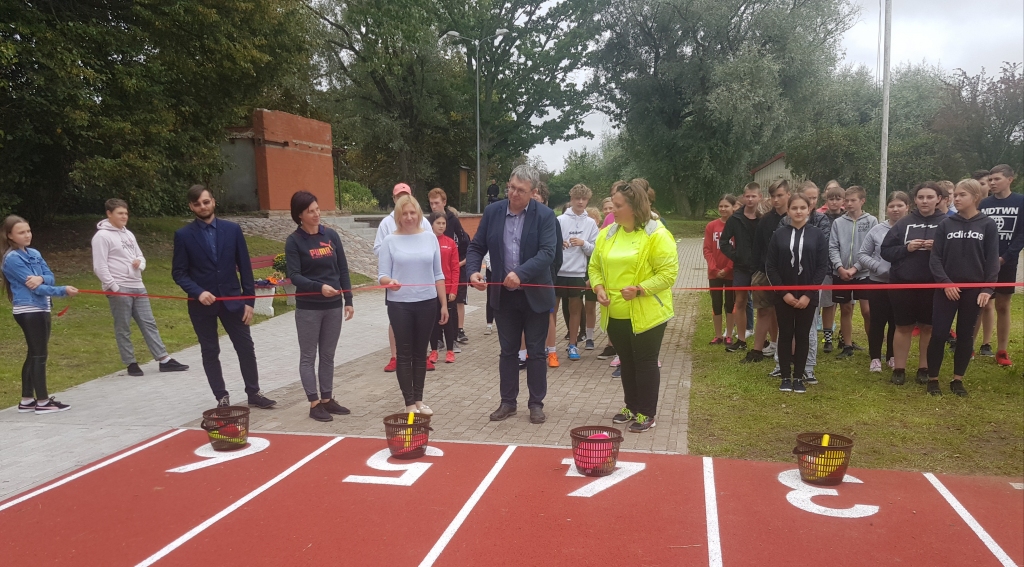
x=968, y=233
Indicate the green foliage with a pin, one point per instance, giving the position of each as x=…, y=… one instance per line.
x=280, y=264
x=353, y=197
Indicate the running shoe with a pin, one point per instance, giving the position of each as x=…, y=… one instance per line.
x=829, y=347
x=52, y=406
x=776, y=372
x=430, y=366
x=624, y=416
x=589, y=345
x=490, y=329
x=574, y=353
x=608, y=352
x=769, y=350
x=642, y=423
x=615, y=361
x=957, y=387
x=1003, y=359
x=892, y=362
x=392, y=365
x=847, y=352
x=798, y=387
x=27, y=408
x=617, y=373
x=786, y=385
x=986, y=350
x=922, y=375
x=717, y=341
x=456, y=348
x=462, y=338
x=810, y=379
x=748, y=334
x=736, y=346
x=933, y=388
x=876, y=365
x=856, y=346
x=899, y=377
x=432, y=357
x=753, y=356
x=449, y=357
x=224, y=402
x=553, y=360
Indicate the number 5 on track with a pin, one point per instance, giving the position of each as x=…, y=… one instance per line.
x=622, y=471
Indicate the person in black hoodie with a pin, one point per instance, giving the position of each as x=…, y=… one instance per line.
x=737, y=243
x=438, y=200
x=797, y=255
x=907, y=247
x=966, y=250
x=764, y=300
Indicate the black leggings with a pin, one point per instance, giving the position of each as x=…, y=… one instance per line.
x=638, y=354
x=883, y=323
x=794, y=324
x=716, y=296
x=413, y=323
x=36, y=327
x=966, y=311
x=449, y=331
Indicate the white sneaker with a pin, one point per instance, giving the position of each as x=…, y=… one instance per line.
x=892, y=362
x=769, y=350
x=615, y=361
x=425, y=410
x=455, y=348
x=489, y=329
x=748, y=335
x=876, y=365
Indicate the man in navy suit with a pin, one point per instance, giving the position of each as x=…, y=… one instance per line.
x=519, y=234
x=207, y=254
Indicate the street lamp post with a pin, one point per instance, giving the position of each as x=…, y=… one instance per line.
x=456, y=35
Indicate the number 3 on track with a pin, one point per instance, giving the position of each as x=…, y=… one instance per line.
x=622, y=471
x=802, y=493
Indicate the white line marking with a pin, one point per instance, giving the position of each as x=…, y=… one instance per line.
x=966, y=516
x=213, y=457
x=711, y=509
x=238, y=504
x=449, y=533
x=93, y=468
x=1017, y=485
x=379, y=461
x=623, y=470
x=802, y=494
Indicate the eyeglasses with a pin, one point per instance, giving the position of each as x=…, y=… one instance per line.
x=511, y=191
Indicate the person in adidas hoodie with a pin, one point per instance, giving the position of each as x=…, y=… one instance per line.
x=907, y=247
x=579, y=233
x=118, y=262
x=966, y=250
x=847, y=235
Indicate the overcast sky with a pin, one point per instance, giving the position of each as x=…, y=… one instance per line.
x=949, y=33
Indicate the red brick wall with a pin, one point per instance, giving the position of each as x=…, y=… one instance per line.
x=292, y=154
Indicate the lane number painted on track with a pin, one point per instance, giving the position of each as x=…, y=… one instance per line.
x=1017, y=485
x=802, y=494
x=411, y=472
x=623, y=470
x=211, y=457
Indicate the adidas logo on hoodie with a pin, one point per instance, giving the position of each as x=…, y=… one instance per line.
x=968, y=234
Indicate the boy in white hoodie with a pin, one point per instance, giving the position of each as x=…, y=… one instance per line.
x=579, y=233
x=118, y=262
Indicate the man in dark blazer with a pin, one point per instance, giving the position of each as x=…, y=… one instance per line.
x=519, y=234
x=207, y=254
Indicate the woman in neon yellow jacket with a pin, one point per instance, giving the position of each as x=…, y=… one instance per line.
x=632, y=270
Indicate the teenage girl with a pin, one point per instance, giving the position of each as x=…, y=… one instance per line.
x=720, y=271
x=30, y=284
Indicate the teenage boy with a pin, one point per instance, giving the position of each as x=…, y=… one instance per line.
x=386, y=227
x=835, y=197
x=987, y=320
x=438, y=200
x=764, y=300
x=737, y=244
x=1006, y=209
x=907, y=247
x=210, y=255
x=579, y=233
x=847, y=234
x=118, y=262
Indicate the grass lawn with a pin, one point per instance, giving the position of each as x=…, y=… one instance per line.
x=82, y=345
x=737, y=411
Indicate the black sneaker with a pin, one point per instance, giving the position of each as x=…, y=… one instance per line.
x=173, y=366
x=922, y=376
x=899, y=377
x=847, y=352
x=27, y=408
x=503, y=412
x=537, y=415
x=798, y=387
x=609, y=352
x=335, y=408
x=753, y=356
x=581, y=337
x=617, y=373
x=986, y=350
x=258, y=400
x=52, y=406
x=933, y=388
x=320, y=413
x=957, y=387
x=224, y=402
x=810, y=379
x=828, y=347
x=786, y=385
x=641, y=424
x=522, y=364
x=735, y=346
x=775, y=373
x=856, y=346
x=566, y=337
x=624, y=416
x=462, y=338
x=134, y=370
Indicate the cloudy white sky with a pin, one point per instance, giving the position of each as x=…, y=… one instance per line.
x=950, y=33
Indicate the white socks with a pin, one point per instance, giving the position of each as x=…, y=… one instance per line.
x=552, y=349
x=164, y=359
x=522, y=355
x=590, y=333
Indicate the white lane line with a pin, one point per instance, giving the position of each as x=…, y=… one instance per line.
x=93, y=468
x=238, y=504
x=449, y=533
x=1017, y=485
x=990, y=543
x=711, y=509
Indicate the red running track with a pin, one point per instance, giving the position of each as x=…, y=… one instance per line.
x=313, y=500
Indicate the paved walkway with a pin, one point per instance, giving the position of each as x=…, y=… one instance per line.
x=117, y=411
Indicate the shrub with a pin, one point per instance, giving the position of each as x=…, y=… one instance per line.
x=352, y=196
x=279, y=264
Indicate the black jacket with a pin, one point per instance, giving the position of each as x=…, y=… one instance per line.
x=798, y=256
x=966, y=250
x=737, y=242
x=453, y=229
x=907, y=266
x=767, y=226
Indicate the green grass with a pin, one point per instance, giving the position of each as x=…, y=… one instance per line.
x=737, y=411
x=684, y=227
x=82, y=345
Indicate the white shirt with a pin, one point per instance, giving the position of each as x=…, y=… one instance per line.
x=411, y=259
x=574, y=258
x=387, y=226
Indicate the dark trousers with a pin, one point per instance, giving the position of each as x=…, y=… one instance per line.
x=490, y=310
x=794, y=324
x=717, y=296
x=449, y=331
x=204, y=322
x=638, y=358
x=966, y=311
x=883, y=324
x=515, y=319
x=413, y=323
x=36, y=327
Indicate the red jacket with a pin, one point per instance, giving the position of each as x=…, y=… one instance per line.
x=713, y=252
x=449, y=263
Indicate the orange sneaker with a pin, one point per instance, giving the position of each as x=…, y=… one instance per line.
x=449, y=357
x=553, y=360
x=432, y=357
x=1003, y=359
x=391, y=365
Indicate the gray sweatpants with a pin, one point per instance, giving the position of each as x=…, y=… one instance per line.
x=124, y=309
x=318, y=329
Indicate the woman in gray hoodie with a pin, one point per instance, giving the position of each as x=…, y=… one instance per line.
x=870, y=256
